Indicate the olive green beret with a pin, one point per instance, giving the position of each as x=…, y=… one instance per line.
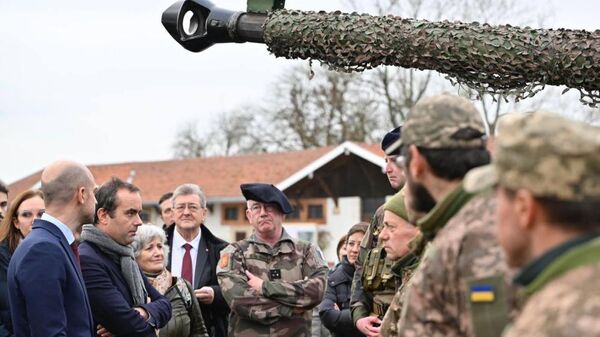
x=396, y=205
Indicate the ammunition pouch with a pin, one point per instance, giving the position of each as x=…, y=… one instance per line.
x=377, y=271
x=382, y=302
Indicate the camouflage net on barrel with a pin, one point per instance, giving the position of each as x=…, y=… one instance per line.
x=503, y=60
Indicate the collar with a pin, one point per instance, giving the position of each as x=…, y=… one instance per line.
x=179, y=241
x=283, y=241
x=443, y=211
x=408, y=262
x=557, y=261
x=66, y=231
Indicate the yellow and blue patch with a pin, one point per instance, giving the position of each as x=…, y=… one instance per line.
x=482, y=293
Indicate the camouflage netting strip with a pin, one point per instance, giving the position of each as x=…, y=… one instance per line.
x=494, y=59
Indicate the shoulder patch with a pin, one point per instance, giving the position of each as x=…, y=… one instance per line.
x=224, y=261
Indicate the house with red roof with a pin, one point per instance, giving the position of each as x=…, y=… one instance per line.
x=331, y=188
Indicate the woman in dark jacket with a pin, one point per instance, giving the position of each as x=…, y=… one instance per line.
x=26, y=207
x=335, y=308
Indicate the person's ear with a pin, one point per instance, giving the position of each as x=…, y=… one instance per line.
x=526, y=209
x=418, y=164
x=102, y=215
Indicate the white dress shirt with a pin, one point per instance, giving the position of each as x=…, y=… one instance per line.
x=178, y=251
x=66, y=231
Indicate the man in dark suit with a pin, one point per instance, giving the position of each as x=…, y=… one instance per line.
x=194, y=255
x=46, y=290
x=122, y=300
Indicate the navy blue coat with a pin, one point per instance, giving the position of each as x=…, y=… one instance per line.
x=46, y=290
x=5, y=321
x=111, y=300
x=338, y=292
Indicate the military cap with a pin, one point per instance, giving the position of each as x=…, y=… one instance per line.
x=390, y=138
x=442, y=122
x=546, y=154
x=396, y=205
x=268, y=194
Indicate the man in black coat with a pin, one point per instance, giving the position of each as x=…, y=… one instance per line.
x=194, y=255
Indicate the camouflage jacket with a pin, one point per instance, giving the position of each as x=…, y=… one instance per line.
x=294, y=274
x=373, y=284
x=464, y=251
x=404, y=269
x=563, y=299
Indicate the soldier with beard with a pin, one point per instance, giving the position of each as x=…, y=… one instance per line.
x=443, y=138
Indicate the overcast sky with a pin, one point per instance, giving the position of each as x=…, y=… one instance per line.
x=103, y=82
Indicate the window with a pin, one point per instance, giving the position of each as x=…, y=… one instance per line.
x=231, y=213
x=315, y=211
x=295, y=215
x=240, y=236
x=369, y=206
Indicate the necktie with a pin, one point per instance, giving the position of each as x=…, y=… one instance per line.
x=75, y=250
x=186, y=266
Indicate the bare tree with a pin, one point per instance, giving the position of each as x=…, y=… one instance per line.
x=188, y=142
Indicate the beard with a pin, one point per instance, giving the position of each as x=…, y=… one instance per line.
x=420, y=199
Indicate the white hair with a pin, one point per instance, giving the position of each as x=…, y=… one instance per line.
x=146, y=234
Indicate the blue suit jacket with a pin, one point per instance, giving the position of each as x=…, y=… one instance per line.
x=46, y=291
x=111, y=300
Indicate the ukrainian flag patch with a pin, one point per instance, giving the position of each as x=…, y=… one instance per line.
x=482, y=293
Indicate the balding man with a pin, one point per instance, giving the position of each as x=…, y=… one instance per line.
x=46, y=290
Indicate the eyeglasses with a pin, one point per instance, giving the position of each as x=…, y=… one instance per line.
x=28, y=214
x=192, y=207
x=269, y=208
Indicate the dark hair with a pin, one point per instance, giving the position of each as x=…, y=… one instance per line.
x=8, y=231
x=61, y=190
x=359, y=227
x=164, y=197
x=578, y=215
x=341, y=244
x=3, y=187
x=451, y=164
x=106, y=196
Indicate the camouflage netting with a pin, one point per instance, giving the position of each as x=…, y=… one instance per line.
x=494, y=59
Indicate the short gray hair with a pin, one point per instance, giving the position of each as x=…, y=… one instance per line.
x=188, y=189
x=146, y=234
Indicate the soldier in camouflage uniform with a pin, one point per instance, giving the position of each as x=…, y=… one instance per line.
x=396, y=234
x=547, y=170
x=442, y=139
x=374, y=284
x=271, y=281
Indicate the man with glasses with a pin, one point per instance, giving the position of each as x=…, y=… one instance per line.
x=271, y=280
x=194, y=255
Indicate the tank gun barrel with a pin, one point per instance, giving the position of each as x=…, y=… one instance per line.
x=199, y=24
x=495, y=59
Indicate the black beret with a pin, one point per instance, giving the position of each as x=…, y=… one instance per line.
x=268, y=194
x=390, y=138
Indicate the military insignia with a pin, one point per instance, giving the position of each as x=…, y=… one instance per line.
x=482, y=293
x=224, y=262
x=275, y=274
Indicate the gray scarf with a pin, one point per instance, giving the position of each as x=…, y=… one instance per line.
x=122, y=255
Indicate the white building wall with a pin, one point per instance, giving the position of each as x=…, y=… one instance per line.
x=339, y=222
